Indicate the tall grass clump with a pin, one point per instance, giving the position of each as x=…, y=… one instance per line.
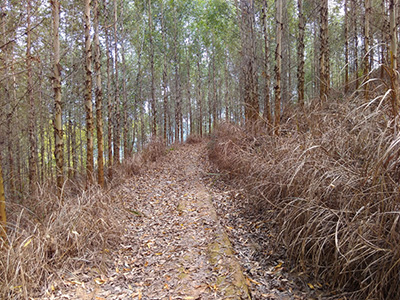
x=154, y=149
x=49, y=239
x=333, y=177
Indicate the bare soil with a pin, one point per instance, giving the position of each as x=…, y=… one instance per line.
x=187, y=235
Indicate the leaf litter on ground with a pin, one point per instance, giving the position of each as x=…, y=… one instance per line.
x=168, y=229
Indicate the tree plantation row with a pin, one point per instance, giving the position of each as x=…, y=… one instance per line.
x=85, y=84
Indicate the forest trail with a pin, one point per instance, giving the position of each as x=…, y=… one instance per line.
x=174, y=245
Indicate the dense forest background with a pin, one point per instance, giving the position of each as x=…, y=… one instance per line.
x=86, y=84
x=169, y=69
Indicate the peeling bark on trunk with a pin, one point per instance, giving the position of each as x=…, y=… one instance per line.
x=58, y=129
x=88, y=96
x=99, y=97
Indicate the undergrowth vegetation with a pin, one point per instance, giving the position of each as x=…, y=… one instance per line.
x=49, y=240
x=333, y=177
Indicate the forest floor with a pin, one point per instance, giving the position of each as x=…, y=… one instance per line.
x=188, y=235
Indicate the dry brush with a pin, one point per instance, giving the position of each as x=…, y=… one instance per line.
x=333, y=177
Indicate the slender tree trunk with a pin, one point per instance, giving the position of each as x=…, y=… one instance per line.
x=393, y=58
x=138, y=95
x=199, y=97
x=88, y=96
x=110, y=106
x=227, y=92
x=14, y=176
x=31, y=101
x=99, y=97
x=73, y=150
x=177, y=80
x=189, y=95
x=324, y=52
x=384, y=36
x=355, y=41
x=285, y=55
x=68, y=145
x=393, y=34
x=9, y=101
x=213, y=104
x=117, y=119
x=125, y=102
x=346, y=47
x=367, y=4
x=315, y=65
x=397, y=3
x=58, y=129
x=250, y=69
x=300, y=57
x=267, y=105
x=152, y=91
x=165, y=77
x=278, y=66
x=3, y=217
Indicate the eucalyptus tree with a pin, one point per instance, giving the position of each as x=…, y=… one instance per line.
x=99, y=97
x=278, y=66
x=393, y=57
x=300, y=54
x=366, y=62
x=164, y=73
x=346, y=47
x=117, y=109
x=110, y=102
x=3, y=216
x=31, y=101
x=266, y=72
x=58, y=128
x=152, y=88
x=88, y=93
x=324, y=69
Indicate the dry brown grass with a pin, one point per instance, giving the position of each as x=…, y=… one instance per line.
x=154, y=149
x=333, y=176
x=194, y=139
x=48, y=240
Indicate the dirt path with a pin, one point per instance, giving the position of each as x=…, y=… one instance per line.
x=174, y=245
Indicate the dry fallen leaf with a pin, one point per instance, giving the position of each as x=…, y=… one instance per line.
x=99, y=281
x=253, y=281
